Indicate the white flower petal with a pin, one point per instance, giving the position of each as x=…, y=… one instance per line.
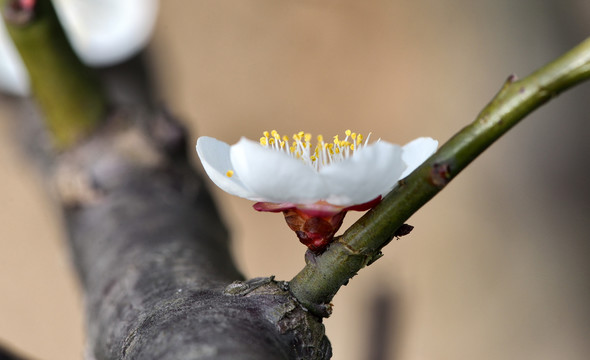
x=269, y=175
x=14, y=78
x=215, y=157
x=104, y=32
x=368, y=173
x=416, y=152
x=275, y=176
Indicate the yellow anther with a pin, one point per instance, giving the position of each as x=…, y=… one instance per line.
x=229, y=173
x=301, y=147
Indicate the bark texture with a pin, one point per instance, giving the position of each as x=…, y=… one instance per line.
x=150, y=249
x=153, y=256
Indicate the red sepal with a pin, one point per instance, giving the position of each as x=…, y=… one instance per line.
x=314, y=224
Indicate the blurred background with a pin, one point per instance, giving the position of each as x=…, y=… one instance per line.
x=497, y=266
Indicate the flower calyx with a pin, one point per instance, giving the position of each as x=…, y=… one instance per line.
x=314, y=224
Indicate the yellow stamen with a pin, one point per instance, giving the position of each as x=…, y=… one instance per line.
x=317, y=156
x=229, y=173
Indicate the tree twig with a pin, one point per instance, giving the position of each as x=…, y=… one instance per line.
x=317, y=283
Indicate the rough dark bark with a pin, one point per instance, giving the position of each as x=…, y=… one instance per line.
x=149, y=247
x=153, y=257
x=151, y=251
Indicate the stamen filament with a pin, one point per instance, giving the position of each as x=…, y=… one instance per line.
x=322, y=154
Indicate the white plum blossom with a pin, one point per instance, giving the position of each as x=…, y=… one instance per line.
x=343, y=173
x=313, y=186
x=102, y=33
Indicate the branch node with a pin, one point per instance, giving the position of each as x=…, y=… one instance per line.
x=512, y=78
x=374, y=258
x=243, y=288
x=440, y=174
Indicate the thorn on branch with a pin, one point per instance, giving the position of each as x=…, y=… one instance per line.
x=403, y=230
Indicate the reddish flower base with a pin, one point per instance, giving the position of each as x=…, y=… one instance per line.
x=315, y=232
x=314, y=224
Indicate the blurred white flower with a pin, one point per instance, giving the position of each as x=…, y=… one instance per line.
x=13, y=75
x=309, y=183
x=105, y=32
x=102, y=33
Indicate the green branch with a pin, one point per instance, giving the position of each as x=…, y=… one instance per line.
x=69, y=95
x=322, y=277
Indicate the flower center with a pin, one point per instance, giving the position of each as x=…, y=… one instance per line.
x=322, y=154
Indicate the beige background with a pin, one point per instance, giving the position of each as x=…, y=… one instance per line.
x=497, y=266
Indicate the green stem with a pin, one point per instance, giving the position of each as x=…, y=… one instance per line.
x=68, y=93
x=322, y=277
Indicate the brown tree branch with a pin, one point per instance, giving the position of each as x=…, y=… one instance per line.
x=147, y=241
